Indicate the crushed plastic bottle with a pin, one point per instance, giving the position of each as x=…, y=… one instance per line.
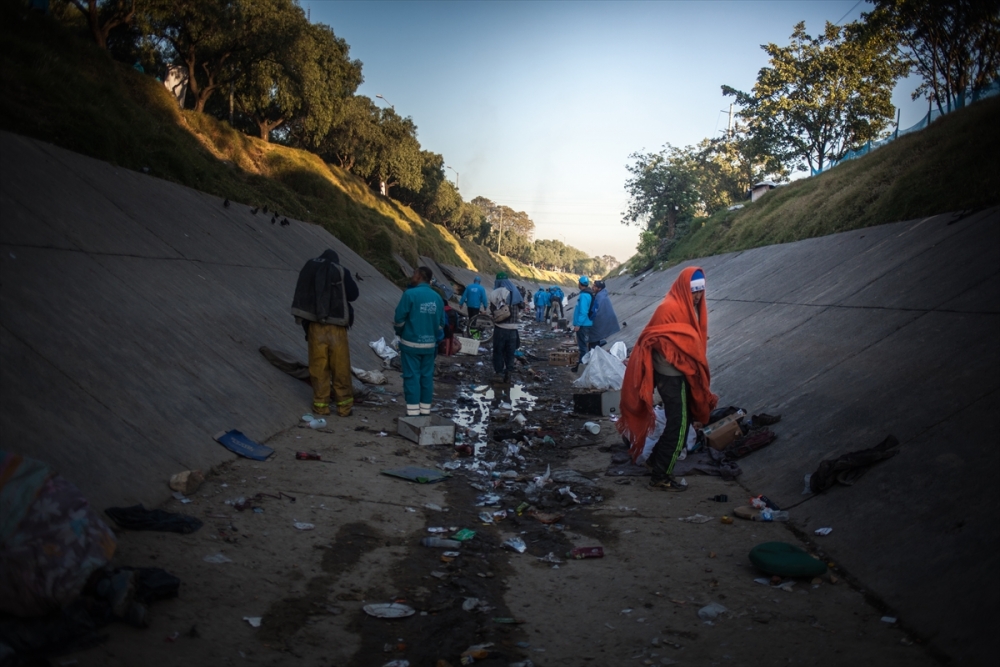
x=440, y=543
x=768, y=514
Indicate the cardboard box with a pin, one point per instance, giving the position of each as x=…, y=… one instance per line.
x=469, y=345
x=427, y=430
x=603, y=403
x=722, y=436
x=563, y=357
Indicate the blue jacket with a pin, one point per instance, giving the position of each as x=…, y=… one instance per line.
x=542, y=298
x=581, y=314
x=474, y=296
x=603, y=315
x=419, y=320
x=557, y=293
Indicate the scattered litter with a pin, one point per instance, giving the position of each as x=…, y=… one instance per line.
x=823, y=531
x=180, y=496
x=317, y=423
x=419, y=475
x=301, y=525
x=807, y=490
x=508, y=620
x=764, y=581
x=471, y=604
x=187, y=482
x=550, y=558
x=383, y=434
x=711, y=611
x=547, y=517
x=486, y=517
x=397, y=663
x=409, y=509
x=487, y=500
x=889, y=619
x=238, y=443
x=440, y=543
x=451, y=465
x=580, y=553
x=434, y=508
x=254, y=621
x=464, y=535
x=217, y=559
x=383, y=350
x=726, y=519
x=592, y=427
x=138, y=517
x=388, y=610
x=696, y=518
x=517, y=544
x=369, y=377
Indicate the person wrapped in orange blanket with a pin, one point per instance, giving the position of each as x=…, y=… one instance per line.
x=671, y=354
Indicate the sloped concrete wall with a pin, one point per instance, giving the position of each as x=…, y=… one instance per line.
x=131, y=313
x=892, y=329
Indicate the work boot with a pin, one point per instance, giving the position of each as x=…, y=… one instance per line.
x=321, y=409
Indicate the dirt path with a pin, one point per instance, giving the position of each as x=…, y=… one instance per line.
x=636, y=606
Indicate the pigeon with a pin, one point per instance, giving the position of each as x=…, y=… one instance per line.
x=254, y=210
x=274, y=219
x=358, y=276
x=265, y=208
x=284, y=222
x=226, y=203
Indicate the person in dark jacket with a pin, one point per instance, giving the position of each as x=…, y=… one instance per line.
x=322, y=304
x=602, y=313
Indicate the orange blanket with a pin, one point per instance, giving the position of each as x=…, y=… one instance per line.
x=680, y=333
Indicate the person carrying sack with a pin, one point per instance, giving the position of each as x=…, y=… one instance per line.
x=505, y=304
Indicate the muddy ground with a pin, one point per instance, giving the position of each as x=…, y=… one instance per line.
x=638, y=605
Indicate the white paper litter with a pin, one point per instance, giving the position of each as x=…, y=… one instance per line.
x=217, y=558
x=254, y=621
x=823, y=531
x=383, y=350
x=301, y=525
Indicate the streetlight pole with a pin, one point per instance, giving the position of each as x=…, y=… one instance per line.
x=391, y=105
x=457, y=175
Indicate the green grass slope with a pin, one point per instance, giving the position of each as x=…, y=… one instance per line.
x=61, y=89
x=952, y=165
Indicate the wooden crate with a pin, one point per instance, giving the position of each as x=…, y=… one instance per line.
x=563, y=357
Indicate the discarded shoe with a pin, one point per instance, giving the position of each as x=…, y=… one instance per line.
x=666, y=484
x=764, y=419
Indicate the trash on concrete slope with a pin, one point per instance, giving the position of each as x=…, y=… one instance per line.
x=238, y=443
x=217, y=559
x=711, y=611
x=187, y=482
x=383, y=350
x=517, y=544
x=369, y=377
x=696, y=518
x=138, y=517
x=580, y=553
x=848, y=468
x=603, y=372
x=388, y=610
x=419, y=475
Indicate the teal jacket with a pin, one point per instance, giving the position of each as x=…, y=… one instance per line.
x=419, y=320
x=581, y=314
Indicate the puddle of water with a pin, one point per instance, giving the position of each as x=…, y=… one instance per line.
x=473, y=408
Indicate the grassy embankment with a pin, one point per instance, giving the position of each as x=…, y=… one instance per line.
x=61, y=89
x=952, y=165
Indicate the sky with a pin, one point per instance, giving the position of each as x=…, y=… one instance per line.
x=538, y=105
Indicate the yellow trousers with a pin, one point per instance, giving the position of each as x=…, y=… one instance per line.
x=330, y=364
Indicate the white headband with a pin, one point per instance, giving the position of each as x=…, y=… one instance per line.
x=698, y=285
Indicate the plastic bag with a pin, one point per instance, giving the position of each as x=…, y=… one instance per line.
x=371, y=377
x=604, y=372
x=619, y=351
x=382, y=350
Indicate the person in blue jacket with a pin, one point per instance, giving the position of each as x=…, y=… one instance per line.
x=581, y=317
x=419, y=322
x=541, y=304
x=474, y=298
x=602, y=314
x=556, y=302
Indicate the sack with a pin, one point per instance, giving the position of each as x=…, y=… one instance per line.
x=501, y=314
x=603, y=373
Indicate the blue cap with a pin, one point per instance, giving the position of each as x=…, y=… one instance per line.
x=476, y=280
x=584, y=280
x=698, y=281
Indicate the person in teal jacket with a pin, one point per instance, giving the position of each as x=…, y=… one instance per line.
x=474, y=298
x=419, y=323
x=542, y=298
x=581, y=317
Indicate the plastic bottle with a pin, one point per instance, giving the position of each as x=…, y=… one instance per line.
x=768, y=514
x=317, y=423
x=440, y=542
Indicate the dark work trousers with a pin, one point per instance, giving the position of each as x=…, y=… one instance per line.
x=505, y=344
x=472, y=312
x=583, y=341
x=673, y=389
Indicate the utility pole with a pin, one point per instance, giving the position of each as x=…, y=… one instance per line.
x=457, y=176
x=500, y=232
x=729, y=128
x=898, y=112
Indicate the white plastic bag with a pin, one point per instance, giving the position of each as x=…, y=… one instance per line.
x=661, y=423
x=619, y=351
x=603, y=372
x=370, y=377
x=382, y=350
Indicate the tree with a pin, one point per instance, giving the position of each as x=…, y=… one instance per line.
x=397, y=158
x=104, y=16
x=510, y=230
x=822, y=96
x=663, y=189
x=204, y=35
x=353, y=136
x=291, y=71
x=954, y=45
